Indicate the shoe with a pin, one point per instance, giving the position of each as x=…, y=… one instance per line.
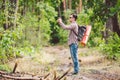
x=74, y=73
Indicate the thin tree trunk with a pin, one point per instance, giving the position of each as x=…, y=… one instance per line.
x=11, y=13
x=64, y=5
x=16, y=9
x=23, y=10
x=108, y=29
x=108, y=22
x=80, y=6
x=70, y=7
x=115, y=24
x=5, y=25
x=59, y=11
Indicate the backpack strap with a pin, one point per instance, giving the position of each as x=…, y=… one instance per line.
x=75, y=33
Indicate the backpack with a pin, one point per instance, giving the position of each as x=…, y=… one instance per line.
x=81, y=32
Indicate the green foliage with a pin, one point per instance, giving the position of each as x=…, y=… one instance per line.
x=10, y=44
x=31, y=28
x=47, y=15
x=7, y=44
x=102, y=11
x=75, y=3
x=39, y=25
x=112, y=48
x=34, y=22
x=36, y=25
x=63, y=36
x=5, y=68
x=84, y=18
x=97, y=27
x=55, y=2
x=96, y=36
x=47, y=21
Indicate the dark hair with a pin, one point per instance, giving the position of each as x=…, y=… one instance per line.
x=74, y=15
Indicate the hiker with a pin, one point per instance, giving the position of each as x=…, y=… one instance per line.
x=72, y=39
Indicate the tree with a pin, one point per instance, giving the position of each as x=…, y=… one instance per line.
x=24, y=24
x=107, y=12
x=113, y=19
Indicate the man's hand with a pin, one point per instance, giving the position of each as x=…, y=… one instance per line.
x=59, y=20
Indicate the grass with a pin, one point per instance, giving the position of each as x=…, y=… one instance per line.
x=5, y=67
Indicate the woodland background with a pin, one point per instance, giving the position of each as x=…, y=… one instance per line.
x=28, y=25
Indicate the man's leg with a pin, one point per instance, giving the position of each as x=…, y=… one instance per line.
x=74, y=55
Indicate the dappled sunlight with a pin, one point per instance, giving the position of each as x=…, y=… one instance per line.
x=56, y=59
x=44, y=58
x=33, y=45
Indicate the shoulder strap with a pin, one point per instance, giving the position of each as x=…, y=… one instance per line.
x=75, y=33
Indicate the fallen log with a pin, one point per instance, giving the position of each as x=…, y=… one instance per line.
x=59, y=78
x=64, y=74
x=15, y=76
x=20, y=78
x=46, y=75
x=2, y=72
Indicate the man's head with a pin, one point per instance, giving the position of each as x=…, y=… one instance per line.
x=73, y=17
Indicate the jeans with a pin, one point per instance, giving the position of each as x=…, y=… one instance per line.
x=74, y=55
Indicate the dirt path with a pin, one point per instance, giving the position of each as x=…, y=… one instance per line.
x=93, y=65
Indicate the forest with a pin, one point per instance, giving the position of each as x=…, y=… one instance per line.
x=27, y=26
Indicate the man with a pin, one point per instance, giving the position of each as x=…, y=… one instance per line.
x=72, y=39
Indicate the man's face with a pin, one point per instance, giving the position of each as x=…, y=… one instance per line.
x=71, y=18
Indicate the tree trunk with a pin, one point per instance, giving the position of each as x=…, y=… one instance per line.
x=114, y=27
x=10, y=13
x=115, y=24
x=108, y=22
x=59, y=12
x=16, y=9
x=64, y=5
x=80, y=6
x=70, y=7
x=5, y=25
x=108, y=29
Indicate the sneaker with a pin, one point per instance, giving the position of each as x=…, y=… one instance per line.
x=74, y=73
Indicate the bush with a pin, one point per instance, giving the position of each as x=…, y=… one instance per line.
x=112, y=48
x=11, y=44
x=7, y=44
x=5, y=68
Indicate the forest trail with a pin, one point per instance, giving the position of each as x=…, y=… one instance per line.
x=56, y=60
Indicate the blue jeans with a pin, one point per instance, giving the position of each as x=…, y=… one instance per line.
x=74, y=55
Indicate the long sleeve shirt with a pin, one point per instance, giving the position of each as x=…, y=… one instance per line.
x=72, y=27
